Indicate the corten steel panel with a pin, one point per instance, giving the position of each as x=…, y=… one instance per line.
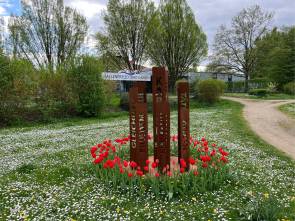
x=183, y=122
x=161, y=117
x=138, y=124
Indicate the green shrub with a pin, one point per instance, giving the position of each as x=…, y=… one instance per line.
x=110, y=92
x=210, y=90
x=221, y=85
x=6, y=78
x=56, y=97
x=88, y=86
x=259, y=92
x=17, y=88
x=28, y=94
x=272, y=87
x=194, y=88
x=289, y=88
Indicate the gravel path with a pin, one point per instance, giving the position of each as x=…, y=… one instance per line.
x=269, y=123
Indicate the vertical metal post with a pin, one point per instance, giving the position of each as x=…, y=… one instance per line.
x=161, y=117
x=138, y=124
x=183, y=122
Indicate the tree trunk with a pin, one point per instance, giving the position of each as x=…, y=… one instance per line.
x=246, y=82
x=172, y=80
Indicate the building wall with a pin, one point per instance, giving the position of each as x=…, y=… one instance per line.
x=192, y=76
x=124, y=86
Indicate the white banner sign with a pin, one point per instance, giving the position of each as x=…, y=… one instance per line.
x=127, y=76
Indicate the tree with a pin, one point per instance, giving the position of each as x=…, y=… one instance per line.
x=47, y=33
x=234, y=47
x=177, y=41
x=127, y=25
x=276, y=56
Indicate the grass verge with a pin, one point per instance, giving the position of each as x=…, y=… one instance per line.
x=288, y=109
x=277, y=96
x=46, y=173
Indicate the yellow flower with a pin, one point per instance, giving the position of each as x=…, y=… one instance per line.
x=118, y=209
x=250, y=193
x=23, y=215
x=194, y=199
x=266, y=195
x=215, y=210
x=292, y=198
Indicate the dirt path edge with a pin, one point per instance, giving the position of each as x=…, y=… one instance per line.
x=270, y=124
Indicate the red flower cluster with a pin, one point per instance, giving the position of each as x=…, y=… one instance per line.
x=206, y=156
x=209, y=155
x=123, y=140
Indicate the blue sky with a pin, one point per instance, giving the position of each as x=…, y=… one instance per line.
x=8, y=7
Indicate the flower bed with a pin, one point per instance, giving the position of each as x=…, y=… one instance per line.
x=208, y=168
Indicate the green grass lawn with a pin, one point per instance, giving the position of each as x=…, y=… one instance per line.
x=268, y=97
x=289, y=109
x=46, y=173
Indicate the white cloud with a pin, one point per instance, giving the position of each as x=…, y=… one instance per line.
x=88, y=9
x=2, y=11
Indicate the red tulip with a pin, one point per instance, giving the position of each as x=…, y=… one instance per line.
x=154, y=165
x=204, y=165
x=213, y=153
x=98, y=160
x=146, y=168
x=133, y=164
x=183, y=163
x=205, y=158
x=192, y=161
x=125, y=163
x=224, y=159
x=139, y=173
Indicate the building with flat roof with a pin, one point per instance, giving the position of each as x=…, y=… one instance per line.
x=226, y=77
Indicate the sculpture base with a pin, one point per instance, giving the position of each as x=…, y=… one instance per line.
x=174, y=165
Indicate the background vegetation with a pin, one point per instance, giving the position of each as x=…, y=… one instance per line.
x=210, y=90
x=30, y=94
x=249, y=47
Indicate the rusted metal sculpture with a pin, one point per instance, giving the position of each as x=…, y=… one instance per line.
x=161, y=117
x=183, y=122
x=138, y=124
